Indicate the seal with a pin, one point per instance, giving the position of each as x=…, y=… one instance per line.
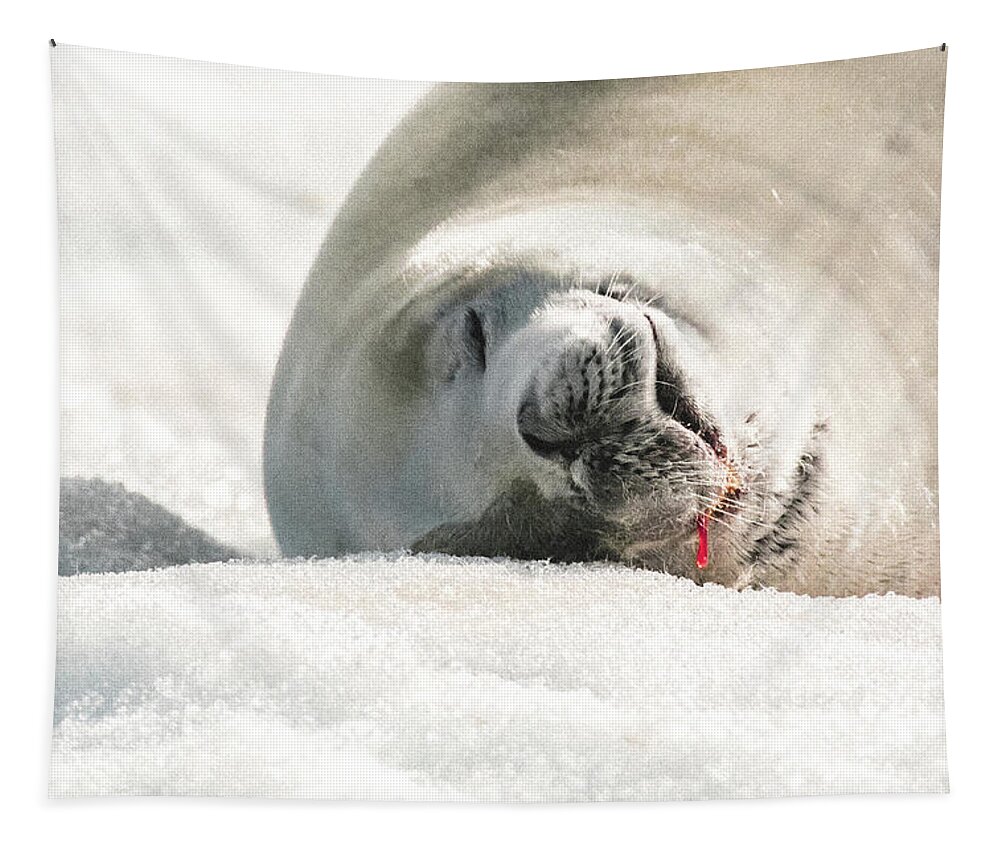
x=683, y=323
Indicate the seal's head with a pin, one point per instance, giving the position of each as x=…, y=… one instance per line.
x=572, y=427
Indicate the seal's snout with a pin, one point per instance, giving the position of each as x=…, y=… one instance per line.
x=598, y=381
x=609, y=401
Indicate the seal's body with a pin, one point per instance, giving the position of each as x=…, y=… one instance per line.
x=580, y=320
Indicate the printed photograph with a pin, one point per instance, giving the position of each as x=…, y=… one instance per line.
x=511, y=442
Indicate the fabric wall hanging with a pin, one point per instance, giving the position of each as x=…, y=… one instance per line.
x=528, y=442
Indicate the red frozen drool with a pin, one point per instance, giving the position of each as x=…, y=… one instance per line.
x=702, y=558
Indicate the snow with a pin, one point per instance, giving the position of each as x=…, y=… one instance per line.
x=433, y=678
x=192, y=198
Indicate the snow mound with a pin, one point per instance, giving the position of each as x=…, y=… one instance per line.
x=401, y=677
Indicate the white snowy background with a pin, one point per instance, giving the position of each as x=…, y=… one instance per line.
x=192, y=198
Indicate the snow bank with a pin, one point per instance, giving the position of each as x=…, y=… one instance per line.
x=428, y=678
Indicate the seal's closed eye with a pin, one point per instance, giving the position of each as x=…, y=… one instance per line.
x=475, y=338
x=457, y=342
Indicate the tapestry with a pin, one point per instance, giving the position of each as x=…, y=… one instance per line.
x=529, y=442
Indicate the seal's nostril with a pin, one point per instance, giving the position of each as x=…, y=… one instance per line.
x=538, y=446
x=535, y=435
x=568, y=449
